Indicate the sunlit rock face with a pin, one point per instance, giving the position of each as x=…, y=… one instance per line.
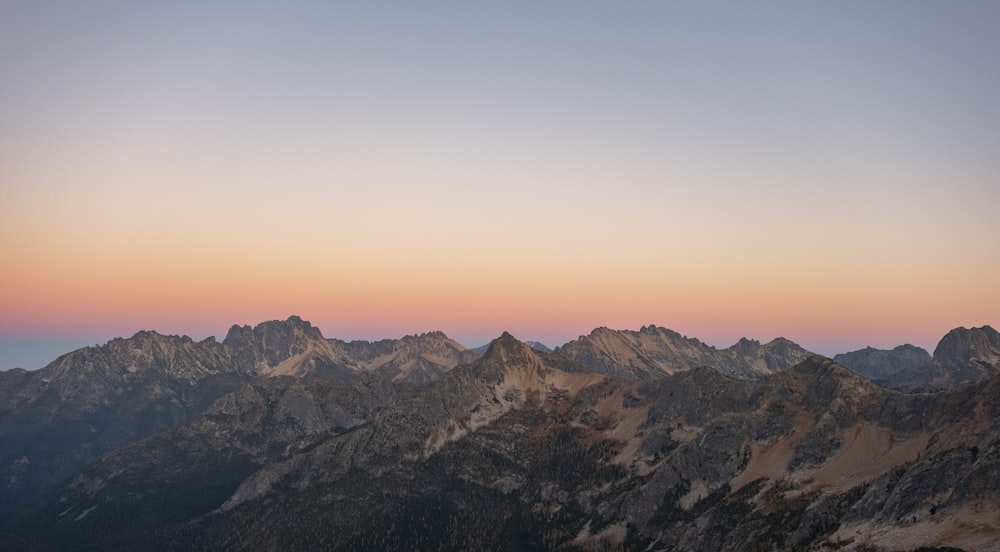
x=654, y=352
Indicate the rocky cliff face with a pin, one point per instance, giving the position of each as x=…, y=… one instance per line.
x=535, y=345
x=93, y=400
x=962, y=357
x=654, y=352
x=292, y=347
x=979, y=347
x=96, y=399
x=882, y=366
x=527, y=450
x=412, y=359
x=296, y=348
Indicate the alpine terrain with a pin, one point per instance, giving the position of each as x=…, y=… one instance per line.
x=281, y=439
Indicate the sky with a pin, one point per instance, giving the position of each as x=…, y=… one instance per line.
x=826, y=172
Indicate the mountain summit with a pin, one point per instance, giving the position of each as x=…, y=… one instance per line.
x=654, y=352
x=290, y=347
x=161, y=443
x=95, y=399
x=515, y=451
x=506, y=350
x=962, y=357
x=882, y=366
x=963, y=346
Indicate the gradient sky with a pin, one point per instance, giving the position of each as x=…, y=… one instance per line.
x=827, y=172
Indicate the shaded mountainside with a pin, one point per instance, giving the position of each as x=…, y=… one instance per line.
x=962, y=357
x=530, y=451
x=882, y=366
x=93, y=400
x=654, y=352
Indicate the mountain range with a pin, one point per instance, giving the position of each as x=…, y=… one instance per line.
x=279, y=438
x=962, y=357
x=654, y=352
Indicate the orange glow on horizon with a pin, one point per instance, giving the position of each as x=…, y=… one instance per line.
x=478, y=205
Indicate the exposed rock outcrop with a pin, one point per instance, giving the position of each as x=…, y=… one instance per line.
x=654, y=352
x=412, y=359
x=962, y=357
x=93, y=400
x=96, y=399
x=882, y=366
x=528, y=450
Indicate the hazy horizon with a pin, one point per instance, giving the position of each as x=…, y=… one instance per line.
x=822, y=172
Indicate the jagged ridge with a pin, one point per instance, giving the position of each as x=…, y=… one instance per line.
x=519, y=449
x=93, y=400
x=962, y=357
x=654, y=352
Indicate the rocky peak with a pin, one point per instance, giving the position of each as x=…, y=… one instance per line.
x=654, y=352
x=961, y=345
x=964, y=356
x=149, y=341
x=782, y=344
x=237, y=333
x=506, y=355
x=885, y=367
x=746, y=346
x=146, y=352
x=779, y=353
x=507, y=349
x=651, y=330
x=411, y=359
x=435, y=335
x=147, y=335
x=428, y=340
x=293, y=326
x=97, y=398
x=269, y=347
x=667, y=334
x=822, y=380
